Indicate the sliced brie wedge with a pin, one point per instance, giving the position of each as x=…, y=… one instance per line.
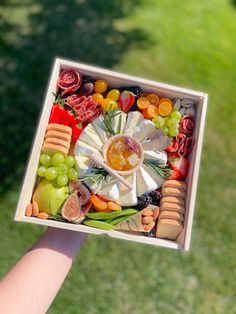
x=128, y=197
x=155, y=176
x=143, y=130
x=133, y=119
x=161, y=157
x=119, y=122
x=102, y=134
x=145, y=183
x=89, y=136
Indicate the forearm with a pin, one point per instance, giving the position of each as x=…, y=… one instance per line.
x=31, y=285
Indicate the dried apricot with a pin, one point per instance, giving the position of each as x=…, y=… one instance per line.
x=98, y=203
x=113, y=206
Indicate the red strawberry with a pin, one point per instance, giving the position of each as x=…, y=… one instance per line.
x=126, y=100
x=180, y=165
x=175, y=175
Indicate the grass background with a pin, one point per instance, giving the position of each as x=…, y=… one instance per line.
x=187, y=43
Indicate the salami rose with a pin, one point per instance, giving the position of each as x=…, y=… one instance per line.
x=187, y=124
x=69, y=81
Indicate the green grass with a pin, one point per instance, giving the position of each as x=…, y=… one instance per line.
x=186, y=43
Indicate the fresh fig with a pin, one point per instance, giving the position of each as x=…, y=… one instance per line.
x=71, y=209
x=81, y=189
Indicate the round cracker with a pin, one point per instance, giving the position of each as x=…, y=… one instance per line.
x=172, y=207
x=172, y=199
x=60, y=128
x=57, y=141
x=174, y=184
x=52, y=148
x=167, y=214
x=58, y=134
x=169, y=191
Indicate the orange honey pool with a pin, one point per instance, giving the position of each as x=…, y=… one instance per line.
x=123, y=154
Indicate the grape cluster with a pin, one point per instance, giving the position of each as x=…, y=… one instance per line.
x=170, y=124
x=57, y=167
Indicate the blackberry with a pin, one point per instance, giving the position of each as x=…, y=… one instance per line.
x=143, y=201
x=155, y=196
x=151, y=233
x=134, y=89
x=87, y=79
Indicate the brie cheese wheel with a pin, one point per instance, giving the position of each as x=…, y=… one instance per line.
x=146, y=184
x=133, y=119
x=161, y=157
x=102, y=134
x=128, y=197
x=89, y=135
x=143, y=130
x=115, y=123
x=155, y=176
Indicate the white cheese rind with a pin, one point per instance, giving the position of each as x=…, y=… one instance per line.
x=155, y=176
x=84, y=149
x=143, y=130
x=102, y=134
x=110, y=189
x=128, y=197
x=145, y=183
x=160, y=157
x=115, y=122
x=133, y=119
x=89, y=136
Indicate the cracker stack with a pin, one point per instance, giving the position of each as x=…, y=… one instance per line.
x=170, y=220
x=57, y=139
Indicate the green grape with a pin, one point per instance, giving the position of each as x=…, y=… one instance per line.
x=57, y=159
x=62, y=180
x=51, y=173
x=41, y=171
x=173, y=131
x=70, y=161
x=166, y=119
x=45, y=160
x=176, y=115
x=62, y=169
x=172, y=123
x=159, y=122
x=72, y=173
x=165, y=131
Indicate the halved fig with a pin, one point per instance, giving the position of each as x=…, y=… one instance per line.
x=84, y=210
x=71, y=209
x=81, y=189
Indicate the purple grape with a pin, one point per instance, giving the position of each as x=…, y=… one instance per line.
x=86, y=89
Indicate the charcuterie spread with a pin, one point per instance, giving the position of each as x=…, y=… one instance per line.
x=114, y=158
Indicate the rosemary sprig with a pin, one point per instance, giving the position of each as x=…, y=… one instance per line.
x=162, y=170
x=107, y=121
x=95, y=176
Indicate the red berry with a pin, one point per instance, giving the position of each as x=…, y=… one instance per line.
x=126, y=100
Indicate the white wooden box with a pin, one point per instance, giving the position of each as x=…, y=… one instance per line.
x=117, y=79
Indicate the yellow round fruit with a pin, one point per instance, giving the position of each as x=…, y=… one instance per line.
x=109, y=104
x=100, y=86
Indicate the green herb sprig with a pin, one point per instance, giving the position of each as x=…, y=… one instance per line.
x=107, y=121
x=95, y=176
x=162, y=170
